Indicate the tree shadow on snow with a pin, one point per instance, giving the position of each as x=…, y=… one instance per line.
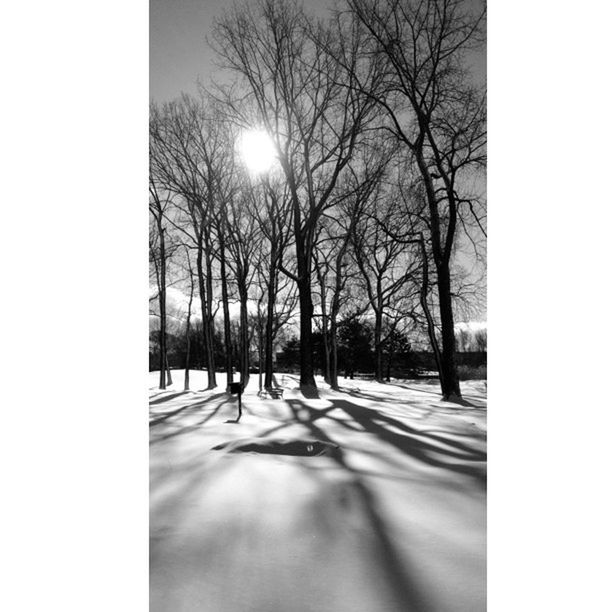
x=429, y=447
x=189, y=408
x=374, y=398
x=466, y=401
x=167, y=398
x=448, y=454
x=405, y=588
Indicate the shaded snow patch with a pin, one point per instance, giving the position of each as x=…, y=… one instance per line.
x=276, y=446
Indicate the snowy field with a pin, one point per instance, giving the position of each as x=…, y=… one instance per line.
x=365, y=500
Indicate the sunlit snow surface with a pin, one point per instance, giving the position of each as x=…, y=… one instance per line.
x=392, y=518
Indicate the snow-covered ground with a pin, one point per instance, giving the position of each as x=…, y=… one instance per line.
x=394, y=519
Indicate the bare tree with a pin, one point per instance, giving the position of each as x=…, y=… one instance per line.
x=272, y=210
x=190, y=156
x=389, y=267
x=190, y=276
x=243, y=241
x=438, y=114
x=298, y=93
x=158, y=254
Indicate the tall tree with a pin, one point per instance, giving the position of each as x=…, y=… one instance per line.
x=438, y=113
x=272, y=212
x=389, y=267
x=300, y=96
x=159, y=256
x=243, y=242
x=354, y=193
x=190, y=276
x=191, y=157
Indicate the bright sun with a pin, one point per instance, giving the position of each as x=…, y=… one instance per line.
x=257, y=151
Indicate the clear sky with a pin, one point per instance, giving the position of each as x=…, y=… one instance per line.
x=178, y=52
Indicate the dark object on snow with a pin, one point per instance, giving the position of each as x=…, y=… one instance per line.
x=305, y=448
x=237, y=388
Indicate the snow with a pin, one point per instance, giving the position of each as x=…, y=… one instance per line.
x=393, y=520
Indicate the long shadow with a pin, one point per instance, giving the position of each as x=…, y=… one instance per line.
x=188, y=428
x=405, y=588
x=365, y=418
x=373, y=398
x=368, y=396
x=412, y=444
x=437, y=393
x=462, y=402
x=167, y=398
x=192, y=406
x=371, y=414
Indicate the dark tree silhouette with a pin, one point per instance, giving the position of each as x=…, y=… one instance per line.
x=437, y=113
x=297, y=91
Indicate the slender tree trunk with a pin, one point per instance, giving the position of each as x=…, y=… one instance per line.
x=168, y=374
x=307, y=379
x=324, y=330
x=205, y=327
x=244, y=332
x=378, y=347
x=186, y=386
x=227, y=332
x=188, y=332
x=162, y=358
x=326, y=350
x=333, y=337
x=431, y=328
x=260, y=349
x=269, y=335
x=162, y=368
x=162, y=303
x=212, y=378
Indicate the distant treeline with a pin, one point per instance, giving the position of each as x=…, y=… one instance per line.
x=356, y=355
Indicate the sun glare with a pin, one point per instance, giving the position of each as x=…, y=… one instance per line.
x=257, y=151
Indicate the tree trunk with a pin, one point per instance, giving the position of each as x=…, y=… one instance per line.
x=431, y=328
x=260, y=351
x=188, y=332
x=333, y=369
x=227, y=332
x=162, y=303
x=335, y=309
x=205, y=328
x=168, y=374
x=450, y=379
x=324, y=321
x=306, y=362
x=269, y=367
x=307, y=380
x=244, y=332
x=186, y=385
x=378, y=347
x=210, y=351
x=326, y=351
